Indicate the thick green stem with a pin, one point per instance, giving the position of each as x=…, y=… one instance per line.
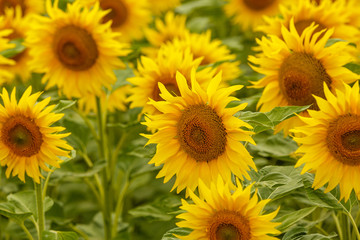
x=120, y=203
x=338, y=226
x=28, y=234
x=40, y=209
x=355, y=227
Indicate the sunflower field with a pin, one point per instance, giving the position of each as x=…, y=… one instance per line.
x=179, y=119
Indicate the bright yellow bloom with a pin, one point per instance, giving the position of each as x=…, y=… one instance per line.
x=163, y=69
x=5, y=75
x=27, y=7
x=198, y=137
x=296, y=66
x=75, y=50
x=159, y=6
x=330, y=141
x=224, y=214
x=27, y=140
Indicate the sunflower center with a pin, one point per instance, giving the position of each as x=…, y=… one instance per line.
x=201, y=133
x=118, y=12
x=170, y=85
x=75, y=48
x=302, y=24
x=15, y=35
x=258, y=5
x=22, y=136
x=229, y=225
x=343, y=139
x=300, y=76
x=4, y=4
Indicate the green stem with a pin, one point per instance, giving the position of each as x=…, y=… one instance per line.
x=355, y=227
x=81, y=233
x=338, y=226
x=28, y=234
x=120, y=203
x=40, y=209
x=46, y=185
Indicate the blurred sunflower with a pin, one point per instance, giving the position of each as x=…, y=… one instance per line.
x=249, y=13
x=28, y=7
x=224, y=214
x=163, y=69
x=5, y=75
x=27, y=141
x=326, y=15
x=14, y=21
x=76, y=52
x=173, y=26
x=159, y=6
x=296, y=67
x=128, y=17
x=212, y=52
x=198, y=137
x=330, y=141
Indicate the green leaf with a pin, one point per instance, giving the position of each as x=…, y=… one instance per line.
x=63, y=104
x=10, y=211
x=288, y=220
x=301, y=233
x=264, y=121
x=122, y=75
x=12, y=52
x=57, y=235
x=353, y=67
x=169, y=235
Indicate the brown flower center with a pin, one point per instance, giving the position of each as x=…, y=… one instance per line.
x=258, y=5
x=22, y=136
x=75, y=48
x=300, y=76
x=169, y=83
x=343, y=139
x=201, y=133
x=229, y=225
x=118, y=13
x=302, y=24
x=15, y=35
x=4, y=4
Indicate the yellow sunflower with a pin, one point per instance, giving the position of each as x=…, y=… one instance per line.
x=249, y=13
x=330, y=141
x=14, y=21
x=27, y=140
x=76, y=51
x=159, y=6
x=116, y=100
x=212, y=52
x=198, y=137
x=296, y=67
x=128, y=17
x=173, y=26
x=163, y=69
x=28, y=7
x=5, y=75
x=226, y=214
x=326, y=15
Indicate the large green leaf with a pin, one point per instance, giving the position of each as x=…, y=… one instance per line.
x=63, y=105
x=12, y=52
x=10, y=211
x=57, y=235
x=169, y=235
x=290, y=219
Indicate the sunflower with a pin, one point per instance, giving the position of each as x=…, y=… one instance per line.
x=330, y=141
x=27, y=141
x=173, y=26
x=5, y=75
x=326, y=15
x=212, y=51
x=28, y=7
x=226, y=215
x=197, y=137
x=128, y=17
x=14, y=21
x=249, y=13
x=76, y=51
x=296, y=67
x=159, y=6
x=163, y=69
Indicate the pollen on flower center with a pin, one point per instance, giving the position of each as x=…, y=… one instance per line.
x=229, y=225
x=302, y=24
x=258, y=5
x=118, y=13
x=300, y=76
x=201, y=133
x=22, y=136
x=343, y=139
x=4, y=4
x=75, y=48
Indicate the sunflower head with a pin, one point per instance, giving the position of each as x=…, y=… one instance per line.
x=225, y=214
x=27, y=7
x=27, y=140
x=198, y=137
x=330, y=141
x=5, y=74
